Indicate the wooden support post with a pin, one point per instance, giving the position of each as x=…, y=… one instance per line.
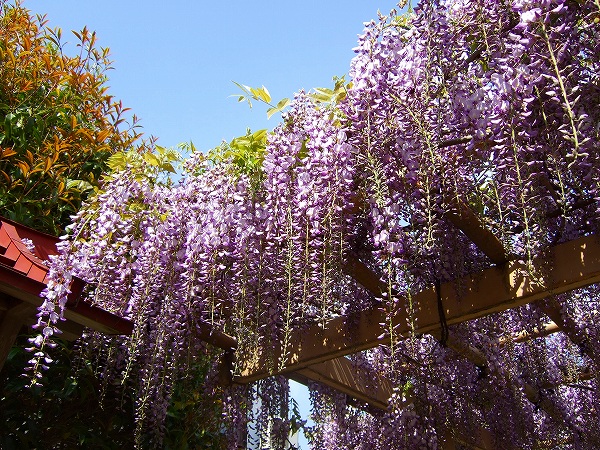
x=563, y=268
x=11, y=322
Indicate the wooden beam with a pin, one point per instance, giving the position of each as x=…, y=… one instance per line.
x=473, y=354
x=553, y=310
x=4, y=303
x=361, y=273
x=332, y=372
x=214, y=336
x=546, y=404
x=339, y=373
x=16, y=285
x=524, y=336
x=562, y=268
x=366, y=386
x=490, y=245
x=463, y=218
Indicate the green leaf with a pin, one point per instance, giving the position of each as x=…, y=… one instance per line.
x=117, y=162
x=340, y=96
x=80, y=185
x=243, y=87
x=264, y=94
x=259, y=94
x=136, y=207
x=281, y=105
x=168, y=167
x=151, y=159
x=322, y=95
x=324, y=91
x=260, y=135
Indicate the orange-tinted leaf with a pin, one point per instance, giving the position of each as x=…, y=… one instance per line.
x=7, y=153
x=102, y=135
x=25, y=168
x=31, y=57
x=26, y=85
x=27, y=43
x=58, y=170
x=48, y=164
x=47, y=61
x=6, y=177
x=86, y=134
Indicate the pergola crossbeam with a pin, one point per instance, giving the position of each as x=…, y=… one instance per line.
x=553, y=310
x=562, y=268
x=463, y=218
x=524, y=336
x=339, y=373
x=490, y=245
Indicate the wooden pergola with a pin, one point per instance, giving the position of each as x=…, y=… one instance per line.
x=23, y=276
x=318, y=353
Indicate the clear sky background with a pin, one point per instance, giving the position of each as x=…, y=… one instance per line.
x=174, y=61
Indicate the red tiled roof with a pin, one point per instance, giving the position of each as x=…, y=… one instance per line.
x=23, y=276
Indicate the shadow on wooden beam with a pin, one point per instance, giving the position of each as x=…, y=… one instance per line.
x=340, y=374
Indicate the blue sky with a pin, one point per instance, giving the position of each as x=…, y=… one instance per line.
x=174, y=62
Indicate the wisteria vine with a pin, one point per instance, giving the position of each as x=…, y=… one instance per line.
x=492, y=105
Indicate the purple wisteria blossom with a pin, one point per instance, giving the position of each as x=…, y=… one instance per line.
x=490, y=106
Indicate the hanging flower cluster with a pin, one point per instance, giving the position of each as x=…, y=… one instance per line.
x=490, y=107
x=493, y=106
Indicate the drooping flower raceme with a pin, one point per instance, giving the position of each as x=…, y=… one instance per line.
x=462, y=106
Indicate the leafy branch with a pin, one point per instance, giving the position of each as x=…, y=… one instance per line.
x=319, y=96
x=261, y=95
